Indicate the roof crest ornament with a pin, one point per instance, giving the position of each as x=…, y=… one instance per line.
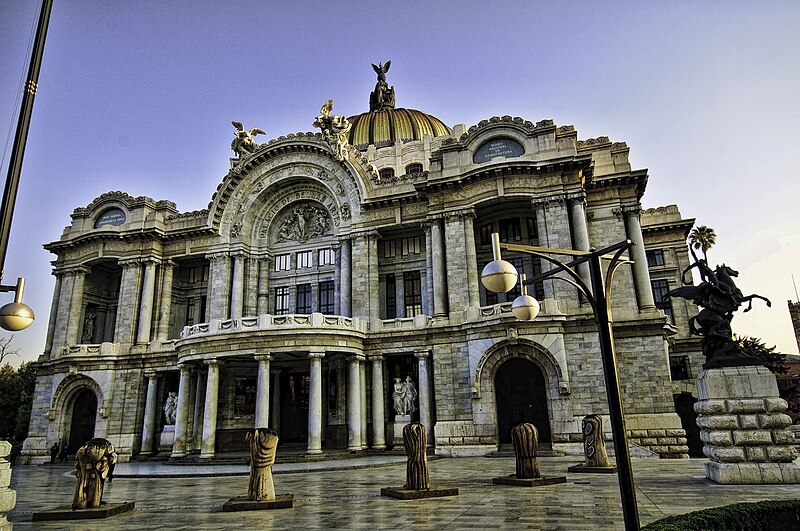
x=334, y=130
x=243, y=143
x=383, y=95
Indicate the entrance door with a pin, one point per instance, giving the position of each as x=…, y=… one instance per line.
x=520, y=392
x=684, y=407
x=294, y=407
x=84, y=414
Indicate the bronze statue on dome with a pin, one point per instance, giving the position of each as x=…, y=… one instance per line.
x=383, y=95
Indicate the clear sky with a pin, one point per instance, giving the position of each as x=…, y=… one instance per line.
x=139, y=95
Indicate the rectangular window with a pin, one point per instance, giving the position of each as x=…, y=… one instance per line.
x=655, y=257
x=679, y=368
x=283, y=262
x=326, y=297
x=391, y=297
x=486, y=234
x=389, y=249
x=510, y=230
x=190, y=312
x=515, y=291
x=304, y=259
x=326, y=257
x=533, y=230
x=664, y=303
x=282, y=300
x=304, y=298
x=413, y=293
x=244, y=396
x=410, y=245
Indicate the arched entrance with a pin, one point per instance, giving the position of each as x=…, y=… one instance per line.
x=521, y=396
x=84, y=414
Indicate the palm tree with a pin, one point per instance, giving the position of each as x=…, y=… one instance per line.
x=702, y=238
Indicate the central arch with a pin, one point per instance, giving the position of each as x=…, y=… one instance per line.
x=521, y=396
x=83, y=418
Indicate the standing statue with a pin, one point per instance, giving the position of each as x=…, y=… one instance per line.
x=409, y=396
x=525, y=439
x=263, y=443
x=397, y=397
x=243, y=142
x=95, y=460
x=334, y=129
x=383, y=95
x=719, y=297
x=88, y=328
x=170, y=408
x=415, y=443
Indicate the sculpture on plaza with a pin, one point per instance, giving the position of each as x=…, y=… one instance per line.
x=95, y=462
x=719, y=298
x=263, y=443
x=170, y=408
x=383, y=95
x=595, y=458
x=243, y=142
x=334, y=130
x=525, y=439
x=415, y=443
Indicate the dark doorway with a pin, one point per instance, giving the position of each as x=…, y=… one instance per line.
x=294, y=407
x=84, y=414
x=684, y=407
x=520, y=392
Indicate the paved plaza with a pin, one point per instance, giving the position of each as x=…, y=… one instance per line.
x=346, y=495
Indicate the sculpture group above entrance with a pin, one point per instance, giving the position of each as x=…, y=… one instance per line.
x=302, y=223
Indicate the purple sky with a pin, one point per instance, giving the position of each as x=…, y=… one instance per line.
x=139, y=95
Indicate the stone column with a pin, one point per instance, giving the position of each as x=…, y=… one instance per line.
x=471, y=257
x=438, y=264
x=165, y=300
x=455, y=247
x=149, y=427
x=146, y=302
x=427, y=300
x=218, y=303
x=251, y=290
x=424, y=393
x=275, y=418
x=262, y=391
x=182, y=414
x=345, y=279
x=76, y=306
x=127, y=302
x=237, y=288
x=264, y=265
x=378, y=428
x=580, y=232
x=208, y=446
x=641, y=273
x=315, y=404
x=199, y=404
x=362, y=387
x=364, y=286
x=51, y=326
x=353, y=406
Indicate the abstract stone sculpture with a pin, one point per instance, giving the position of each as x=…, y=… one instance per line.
x=415, y=443
x=94, y=460
x=263, y=443
x=525, y=439
x=594, y=448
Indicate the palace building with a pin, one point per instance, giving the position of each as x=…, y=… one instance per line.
x=322, y=276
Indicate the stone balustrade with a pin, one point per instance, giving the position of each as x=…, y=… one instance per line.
x=273, y=322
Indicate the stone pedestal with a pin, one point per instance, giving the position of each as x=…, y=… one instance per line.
x=8, y=497
x=167, y=439
x=744, y=427
x=395, y=429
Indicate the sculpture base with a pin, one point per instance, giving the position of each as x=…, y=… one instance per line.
x=66, y=513
x=408, y=494
x=583, y=469
x=529, y=482
x=241, y=503
x=167, y=437
x=752, y=473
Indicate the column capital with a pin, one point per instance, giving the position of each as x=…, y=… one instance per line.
x=72, y=270
x=315, y=354
x=577, y=197
x=238, y=254
x=358, y=357
x=167, y=263
x=185, y=367
x=263, y=357
x=632, y=210
x=217, y=255
x=546, y=200
x=215, y=362
x=151, y=374
x=422, y=354
x=377, y=357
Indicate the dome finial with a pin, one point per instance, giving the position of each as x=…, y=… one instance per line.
x=383, y=95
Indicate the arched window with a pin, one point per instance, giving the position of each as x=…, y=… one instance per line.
x=386, y=173
x=414, y=169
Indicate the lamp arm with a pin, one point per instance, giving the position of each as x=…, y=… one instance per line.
x=613, y=265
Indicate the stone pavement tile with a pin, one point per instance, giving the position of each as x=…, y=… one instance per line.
x=350, y=498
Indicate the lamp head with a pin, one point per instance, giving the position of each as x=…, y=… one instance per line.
x=525, y=308
x=16, y=316
x=499, y=276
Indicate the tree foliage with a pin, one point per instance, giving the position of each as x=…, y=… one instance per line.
x=702, y=238
x=16, y=399
x=756, y=348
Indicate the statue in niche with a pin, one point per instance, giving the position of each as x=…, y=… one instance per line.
x=719, y=297
x=95, y=463
x=170, y=408
x=334, y=130
x=409, y=396
x=88, y=328
x=263, y=444
x=243, y=142
x=397, y=397
x=303, y=223
x=383, y=95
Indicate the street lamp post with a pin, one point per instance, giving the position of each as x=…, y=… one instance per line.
x=497, y=277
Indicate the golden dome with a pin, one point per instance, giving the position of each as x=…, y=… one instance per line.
x=384, y=127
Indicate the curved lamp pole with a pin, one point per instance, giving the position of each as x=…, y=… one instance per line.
x=599, y=297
